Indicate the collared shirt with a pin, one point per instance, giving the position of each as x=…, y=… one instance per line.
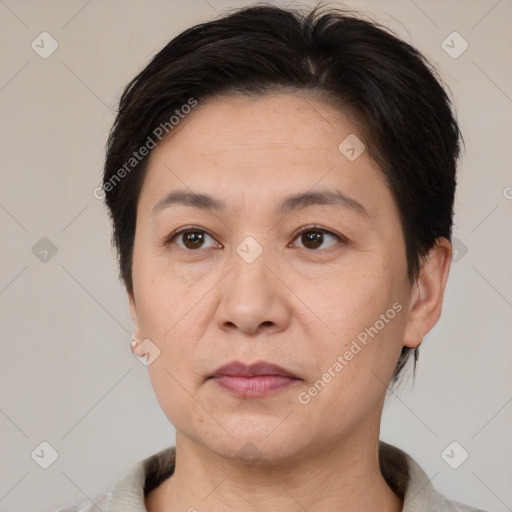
x=400, y=471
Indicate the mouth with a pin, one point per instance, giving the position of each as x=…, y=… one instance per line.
x=255, y=380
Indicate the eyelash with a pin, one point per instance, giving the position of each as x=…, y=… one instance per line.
x=315, y=228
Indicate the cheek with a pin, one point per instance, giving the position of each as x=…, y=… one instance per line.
x=164, y=298
x=174, y=393
x=348, y=298
x=362, y=321
x=353, y=370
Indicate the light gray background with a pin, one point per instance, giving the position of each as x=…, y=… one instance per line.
x=67, y=374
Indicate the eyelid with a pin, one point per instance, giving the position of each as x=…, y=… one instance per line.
x=170, y=238
x=310, y=227
x=318, y=228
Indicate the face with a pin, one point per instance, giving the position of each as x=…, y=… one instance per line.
x=296, y=260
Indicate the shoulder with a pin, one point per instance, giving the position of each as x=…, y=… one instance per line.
x=102, y=501
x=407, y=478
x=129, y=492
x=455, y=506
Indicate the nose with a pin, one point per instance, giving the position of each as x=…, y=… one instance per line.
x=253, y=299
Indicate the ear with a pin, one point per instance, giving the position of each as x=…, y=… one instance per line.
x=427, y=293
x=133, y=314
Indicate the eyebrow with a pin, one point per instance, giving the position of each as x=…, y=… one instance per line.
x=289, y=203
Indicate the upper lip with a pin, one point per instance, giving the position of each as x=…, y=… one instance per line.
x=259, y=368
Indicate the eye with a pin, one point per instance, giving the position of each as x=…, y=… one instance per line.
x=312, y=237
x=191, y=238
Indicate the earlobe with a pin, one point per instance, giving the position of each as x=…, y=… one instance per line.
x=427, y=293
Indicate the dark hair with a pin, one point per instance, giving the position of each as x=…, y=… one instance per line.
x=389, y=89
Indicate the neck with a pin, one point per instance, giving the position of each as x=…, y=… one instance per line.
x=342, y=477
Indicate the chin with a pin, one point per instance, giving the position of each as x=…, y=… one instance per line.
x=253, y=441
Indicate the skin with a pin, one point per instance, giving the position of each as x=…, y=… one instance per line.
x=298, y=305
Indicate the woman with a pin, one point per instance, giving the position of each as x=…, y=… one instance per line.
x=281, y=189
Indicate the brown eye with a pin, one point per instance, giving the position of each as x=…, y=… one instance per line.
x=191, y=239
x=312, y=240
x=315, y=238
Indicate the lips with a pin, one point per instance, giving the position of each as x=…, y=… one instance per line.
x=236, y=369
x=255, y=380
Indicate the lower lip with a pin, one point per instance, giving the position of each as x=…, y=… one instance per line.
x=257, y=386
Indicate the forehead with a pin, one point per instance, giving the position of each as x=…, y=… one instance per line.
x=262, y=148
x=299, y=121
